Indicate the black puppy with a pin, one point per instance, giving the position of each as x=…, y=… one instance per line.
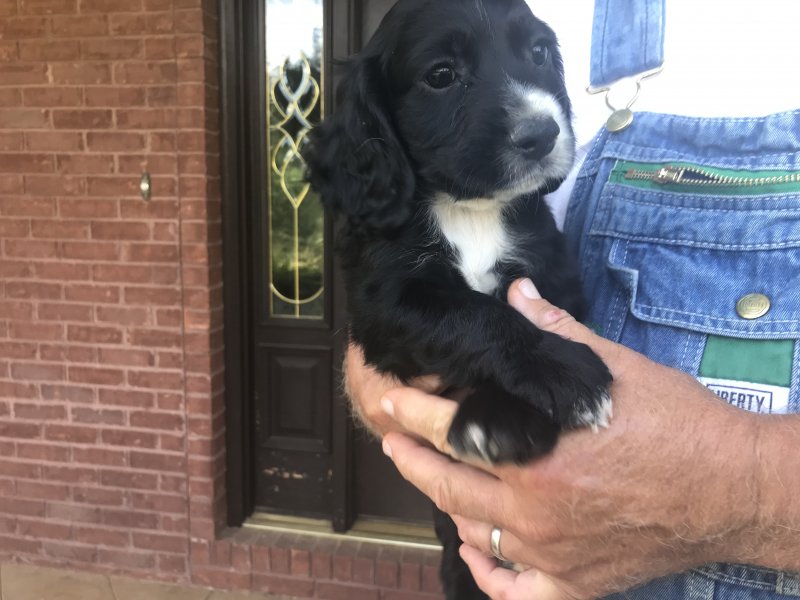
x=449, y=127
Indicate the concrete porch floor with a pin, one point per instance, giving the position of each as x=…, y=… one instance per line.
x=25, y=582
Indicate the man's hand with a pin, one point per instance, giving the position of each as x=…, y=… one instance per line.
x=366, y=387
x=678, y=479
x=672, y=483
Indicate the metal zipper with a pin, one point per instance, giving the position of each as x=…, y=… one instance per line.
x=696, y=176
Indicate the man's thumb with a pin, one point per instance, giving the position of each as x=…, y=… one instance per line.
x=525, y=298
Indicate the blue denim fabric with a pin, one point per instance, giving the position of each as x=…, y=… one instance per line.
x=663, y=270
x=627, y=39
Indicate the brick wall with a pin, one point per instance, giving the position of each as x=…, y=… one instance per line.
x=110, y=306
x=111, y=355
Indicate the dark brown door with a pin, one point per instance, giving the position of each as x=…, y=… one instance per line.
x=297, y=453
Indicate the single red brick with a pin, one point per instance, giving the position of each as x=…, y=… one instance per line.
x=42, y=491
x=149, y=24
x=53, y=140
x=122, y=273
x=94, y=334
x=71, y=393
x=160, y=462
x=101, y=230
x=21, y=506
x=52, y=96
x=133, y=358
x=48, y=7
x=40, y=412
x=161, y=543
x=152, y=296
x=114, y=96
x=11, y=140
x=41, y=51
x=47, y=452
x=22, y=27
x=129, y=480
x=146, y=118
x=30, y=207
x=80, y=26
x=96, y=375
x=102, y=536
x=26, y=163
x=70, y=433
x=130, y=439
x=67, y=352
x=92, y=293
x=126, y=559
x=80, y=73
x=155, y=338
x=13, y=389
x=97, y=416
x=117, y=397
x=91, y=251
x=60, y=229
x=70, y=474
x=100, y=457
x=89, y=118
x=19, y=349
x=112, y=49
x=83, y=163
x=34, y=331
x=64, y=312
x=99, y=497
x=116, y=141
x=22, y=74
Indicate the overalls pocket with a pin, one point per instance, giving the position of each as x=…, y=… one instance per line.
x=703, y=274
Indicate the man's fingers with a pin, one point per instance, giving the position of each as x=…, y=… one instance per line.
x=422, y=414
x=504, y=584
x=495, y=581
x=478, y=534
x=525, y=298
x=456, y=488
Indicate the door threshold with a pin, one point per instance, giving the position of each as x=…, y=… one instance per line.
x=364, y=530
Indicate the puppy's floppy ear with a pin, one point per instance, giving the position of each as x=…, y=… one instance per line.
x=355, y=159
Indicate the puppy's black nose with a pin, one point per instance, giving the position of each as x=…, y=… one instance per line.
x=536, y=137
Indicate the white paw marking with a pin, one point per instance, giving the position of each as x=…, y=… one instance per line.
x=476, y=437
x=600, y=417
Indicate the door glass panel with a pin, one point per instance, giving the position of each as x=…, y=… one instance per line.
x=294, y=105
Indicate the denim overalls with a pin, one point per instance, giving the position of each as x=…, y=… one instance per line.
x=688, y=235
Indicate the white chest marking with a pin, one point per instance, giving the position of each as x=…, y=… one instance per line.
x=475, y=229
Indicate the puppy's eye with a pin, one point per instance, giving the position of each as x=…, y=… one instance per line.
x=440, y=76
x=540, y=54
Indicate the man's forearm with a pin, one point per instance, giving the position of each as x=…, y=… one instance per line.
x=776, y=542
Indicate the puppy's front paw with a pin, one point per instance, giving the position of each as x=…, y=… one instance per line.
x=496, y=427
x=578, y=385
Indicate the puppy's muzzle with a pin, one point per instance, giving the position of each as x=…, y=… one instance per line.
x=536, y=138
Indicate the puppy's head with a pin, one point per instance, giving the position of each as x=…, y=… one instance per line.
x=463, y=98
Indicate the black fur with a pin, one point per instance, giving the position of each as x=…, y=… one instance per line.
x=396, y=142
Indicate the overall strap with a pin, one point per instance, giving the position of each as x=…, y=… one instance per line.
x=627, y=41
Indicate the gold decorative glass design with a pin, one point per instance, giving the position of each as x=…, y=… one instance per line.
x=294, y=105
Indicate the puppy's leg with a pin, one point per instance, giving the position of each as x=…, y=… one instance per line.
x=457, y=581
x=527, y=384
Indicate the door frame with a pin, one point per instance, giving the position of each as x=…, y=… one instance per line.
x=240, y=95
